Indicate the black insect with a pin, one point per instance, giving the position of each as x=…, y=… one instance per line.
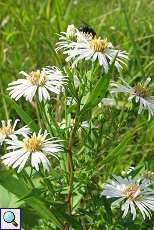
x=85, y=28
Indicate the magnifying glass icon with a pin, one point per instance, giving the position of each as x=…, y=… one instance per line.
x=9, y=217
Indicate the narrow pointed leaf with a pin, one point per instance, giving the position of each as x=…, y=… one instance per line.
x=96, y=95
x=22, y=114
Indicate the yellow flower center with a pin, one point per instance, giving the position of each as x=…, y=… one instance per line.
x=98, y=45
x=36, y=78
x=131, y=190
x=33, y=144
x=141, y=90
x=6, y=131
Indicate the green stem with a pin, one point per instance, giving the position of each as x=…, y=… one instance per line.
x=43, y=114
x=28, y=178
x=4, y=102
x=70, y=162
x=46, y=181
x=38, y=115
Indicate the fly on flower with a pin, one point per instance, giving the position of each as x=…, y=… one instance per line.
x=86, y=29
x=96, y=49
x=131, y=194
x=34, y=147
x=139, y=92
x=92, y=48
x=8, y=130
x=74, y=34
x=40, y=82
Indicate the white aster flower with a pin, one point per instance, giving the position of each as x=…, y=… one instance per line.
x=131, y=194
x=140, y=93
x=66, y=37
x=33, y=147
x=72, y=35
x=40, y=82
x=7, y=130
x=95, y=49
x=71, y=31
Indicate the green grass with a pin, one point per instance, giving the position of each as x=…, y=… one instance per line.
x=27, y=41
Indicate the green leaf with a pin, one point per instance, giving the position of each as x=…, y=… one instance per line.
x=43, y=211
x=120, y=148
x=96, y=95
x=18, y=187
x=107, y=207
x=33, y=197
x=22, y=114
x=8, y=199
x=68, y=219
x=13, y=184
x=137, y=170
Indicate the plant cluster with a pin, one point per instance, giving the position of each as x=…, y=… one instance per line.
x=64, y=161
